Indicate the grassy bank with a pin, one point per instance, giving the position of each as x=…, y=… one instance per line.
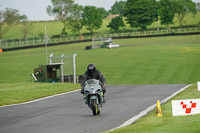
x=13, y=93
x=162, y=60
x=167, y=123
x=55, y=27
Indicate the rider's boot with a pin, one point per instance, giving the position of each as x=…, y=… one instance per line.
x=104, y=100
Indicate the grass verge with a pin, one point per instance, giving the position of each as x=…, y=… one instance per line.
x=160, y=60
x=22, y=92
x=167, y=123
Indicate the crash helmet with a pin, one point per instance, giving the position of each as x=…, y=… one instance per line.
x=91, y=69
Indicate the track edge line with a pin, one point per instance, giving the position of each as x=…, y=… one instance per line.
x=40, y=99
x=150, y=108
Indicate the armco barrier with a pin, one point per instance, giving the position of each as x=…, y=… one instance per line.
x=49, y=44
x=89, y=40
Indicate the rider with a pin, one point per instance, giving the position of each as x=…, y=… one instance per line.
x=93, y=73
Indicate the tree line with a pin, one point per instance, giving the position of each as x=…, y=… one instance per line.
x=137, y=13
x=142, y=13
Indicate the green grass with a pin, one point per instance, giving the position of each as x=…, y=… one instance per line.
x=167, y=123
x=190, y=19
x=21, y=92
x=163, y=60
x=55, y=27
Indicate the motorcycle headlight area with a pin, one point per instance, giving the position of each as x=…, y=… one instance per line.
x=97, y=91
x=87, y=92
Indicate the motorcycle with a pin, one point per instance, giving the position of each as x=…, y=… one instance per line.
x=93, y=95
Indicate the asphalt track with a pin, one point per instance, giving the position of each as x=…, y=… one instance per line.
x=69, y=114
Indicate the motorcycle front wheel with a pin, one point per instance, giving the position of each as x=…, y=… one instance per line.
x=94, y=107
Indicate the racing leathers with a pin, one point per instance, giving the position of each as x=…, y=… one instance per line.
x=95, y=75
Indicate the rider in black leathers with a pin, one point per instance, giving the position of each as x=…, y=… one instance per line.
x=93, y=73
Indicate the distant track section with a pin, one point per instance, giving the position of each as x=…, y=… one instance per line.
x=89, y=40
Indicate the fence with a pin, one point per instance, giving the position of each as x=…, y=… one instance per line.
x=68, y=67
x=31, y=42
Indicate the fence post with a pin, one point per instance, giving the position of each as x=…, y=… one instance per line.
x=1, y=43
x=74, y=67
x=62, y=71
x=17, y=42
x=50, y=58
x=33, y=41
x=6, y=44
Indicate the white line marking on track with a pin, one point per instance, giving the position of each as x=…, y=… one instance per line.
x=145, y=112
x=33, y=101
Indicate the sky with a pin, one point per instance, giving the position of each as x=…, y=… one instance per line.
x=35, y=10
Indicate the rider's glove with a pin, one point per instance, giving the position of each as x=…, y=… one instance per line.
x=82, y=91
x=104, y=90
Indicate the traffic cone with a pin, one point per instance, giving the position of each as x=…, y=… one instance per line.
x=158, y=109
x=1, y=50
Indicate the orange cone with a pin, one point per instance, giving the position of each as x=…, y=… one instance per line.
x=1, y=50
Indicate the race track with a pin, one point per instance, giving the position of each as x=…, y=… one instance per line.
x=69, y=114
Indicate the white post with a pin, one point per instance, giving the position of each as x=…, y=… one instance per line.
x=198, y=86
x=92, y=42
x=62, y=71
x=6, y=44
x=74, y=67
x=50, y=58
x=34, y=77
x=46, y=41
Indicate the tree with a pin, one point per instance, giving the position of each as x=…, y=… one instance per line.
x=8, y=19
x=75, y=19
x=92, y=18
x=182, y=8
x=198, y=6
x=118, y=8
x=103, y=12
x=166, y=12
x=61, y=9
x=141, y=13
x=116, y=23
x=27, y=26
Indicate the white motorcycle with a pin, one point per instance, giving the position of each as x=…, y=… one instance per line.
x=93, y=95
